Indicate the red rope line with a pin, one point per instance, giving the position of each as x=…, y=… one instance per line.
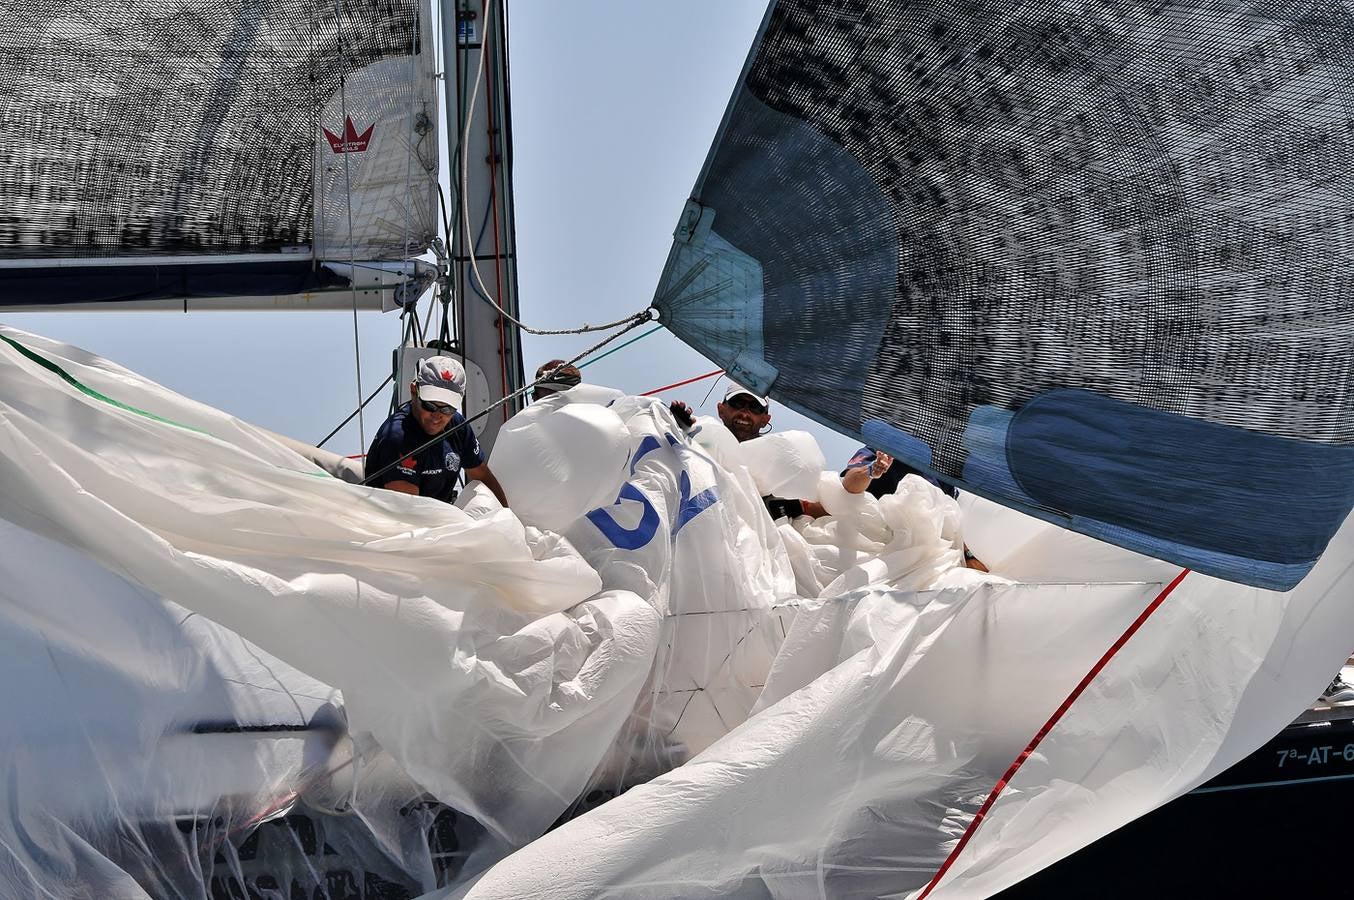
x=668, y=387
x=1048, y=726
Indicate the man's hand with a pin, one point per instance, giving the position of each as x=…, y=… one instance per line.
x=482, y=474
x=857, y=479
x=682, y=413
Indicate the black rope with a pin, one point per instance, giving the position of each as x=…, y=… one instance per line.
x=353, y=414
x=642, y=318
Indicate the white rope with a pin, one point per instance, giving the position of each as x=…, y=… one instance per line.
x=485, y=295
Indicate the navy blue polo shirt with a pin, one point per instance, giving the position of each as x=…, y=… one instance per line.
x=435, y=468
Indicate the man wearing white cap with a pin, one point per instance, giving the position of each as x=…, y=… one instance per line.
x=747, y=416
x=744, y=413
x=398, y=459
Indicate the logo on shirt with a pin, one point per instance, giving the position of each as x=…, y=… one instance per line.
x=409, y=462
x=452, y=460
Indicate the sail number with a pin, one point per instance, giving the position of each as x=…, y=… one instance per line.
x=1318, y=755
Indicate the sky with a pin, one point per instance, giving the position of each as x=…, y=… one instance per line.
x=615, y=104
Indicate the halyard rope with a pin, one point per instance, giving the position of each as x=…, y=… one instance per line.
x=483, y=290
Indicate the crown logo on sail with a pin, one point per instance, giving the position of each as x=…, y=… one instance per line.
x=351, y=142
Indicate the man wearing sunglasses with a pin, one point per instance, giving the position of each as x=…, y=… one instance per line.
x=747, y=416
x=398, y=459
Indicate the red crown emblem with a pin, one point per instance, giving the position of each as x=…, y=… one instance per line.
x=351, y=142
x=446, y=375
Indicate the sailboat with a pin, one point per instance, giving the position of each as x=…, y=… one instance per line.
x=880, y=711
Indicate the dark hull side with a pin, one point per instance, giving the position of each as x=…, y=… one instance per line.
x=1274, y=825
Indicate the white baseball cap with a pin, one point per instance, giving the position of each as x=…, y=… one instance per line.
x=441, y=379
x=736, y=389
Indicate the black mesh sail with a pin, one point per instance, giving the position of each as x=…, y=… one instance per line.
x=1089, y=259
x=177, y=128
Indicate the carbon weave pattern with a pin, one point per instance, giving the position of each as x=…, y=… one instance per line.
x=1147, y=200
x=175, y=126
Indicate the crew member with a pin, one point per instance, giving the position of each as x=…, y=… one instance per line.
x=884, y=482
x=748, y=415
x=562, y=377
x=398, y=459
x=880, y=474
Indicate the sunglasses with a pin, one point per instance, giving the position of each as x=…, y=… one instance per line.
x=747, y=404
x=441, y=409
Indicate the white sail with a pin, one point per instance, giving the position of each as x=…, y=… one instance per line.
x=444, y=662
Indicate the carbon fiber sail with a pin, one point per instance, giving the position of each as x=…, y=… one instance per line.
x=1088, y=259
x=170, y=149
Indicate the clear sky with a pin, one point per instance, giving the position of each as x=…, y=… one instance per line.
x=615, y=104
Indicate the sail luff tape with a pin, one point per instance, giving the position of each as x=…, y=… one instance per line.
x=89, y=391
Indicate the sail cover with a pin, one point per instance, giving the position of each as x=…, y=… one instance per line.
x=1085, y=259
x=169, y=148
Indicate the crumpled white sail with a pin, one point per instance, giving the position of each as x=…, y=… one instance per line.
x=892, y=714
x=808, y=709
x=472, y=655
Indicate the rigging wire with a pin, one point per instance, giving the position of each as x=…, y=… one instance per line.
x=635, y=321
x=414, y=125
x=706, y=399
x=449, y=288
x=443, y=288
x=490, y=97
x=351, y=415
x=503, y=122
x=654, y=330
x=465, y=221
x=668, y=387
x=463, y=113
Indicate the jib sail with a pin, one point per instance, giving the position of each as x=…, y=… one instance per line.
x=1090, y=266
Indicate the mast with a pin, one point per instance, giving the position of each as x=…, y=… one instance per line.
x=475, y=53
